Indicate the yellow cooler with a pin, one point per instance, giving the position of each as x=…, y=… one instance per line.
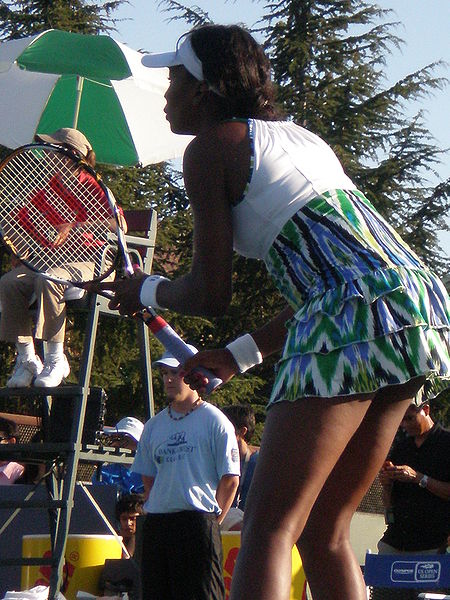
x=85, y=557
x=231, y=542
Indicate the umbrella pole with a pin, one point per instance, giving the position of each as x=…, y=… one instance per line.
x=80, y=82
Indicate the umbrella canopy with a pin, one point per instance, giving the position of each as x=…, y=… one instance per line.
x=90, y=82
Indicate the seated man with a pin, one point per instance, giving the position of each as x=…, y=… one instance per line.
x=121, y=575
x=19, y=285
x=9, y=471
x=128, y=508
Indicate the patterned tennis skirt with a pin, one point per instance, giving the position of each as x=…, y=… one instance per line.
x=369, y=313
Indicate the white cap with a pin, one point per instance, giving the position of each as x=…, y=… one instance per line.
x=169, y=360
x=129, y=426
x=184, y=55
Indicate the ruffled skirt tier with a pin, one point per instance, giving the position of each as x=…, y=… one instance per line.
x=368, y=313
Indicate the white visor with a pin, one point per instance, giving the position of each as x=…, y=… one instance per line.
x=184, y=55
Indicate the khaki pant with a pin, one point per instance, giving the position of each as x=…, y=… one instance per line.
x=16, y=291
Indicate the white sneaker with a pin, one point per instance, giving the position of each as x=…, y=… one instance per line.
x=55, y=370
x=24, y=371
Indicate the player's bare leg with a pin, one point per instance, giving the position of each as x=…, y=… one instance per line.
x=302, y=443
x=326, y=537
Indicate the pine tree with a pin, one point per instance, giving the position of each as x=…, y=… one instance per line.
x=328, y=59
x=21, y=18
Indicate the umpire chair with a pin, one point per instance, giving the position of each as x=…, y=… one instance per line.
x=65, y=456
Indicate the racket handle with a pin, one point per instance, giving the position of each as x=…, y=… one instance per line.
x=176, y=346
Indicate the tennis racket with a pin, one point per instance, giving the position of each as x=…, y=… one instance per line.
x=55, y=212
x=170, y=339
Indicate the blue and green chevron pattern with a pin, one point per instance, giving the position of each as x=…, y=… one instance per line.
x=369, y=313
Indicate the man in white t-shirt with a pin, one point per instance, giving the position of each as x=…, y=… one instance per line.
x=189, y=461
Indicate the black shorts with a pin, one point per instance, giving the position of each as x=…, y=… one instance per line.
x=182, y=557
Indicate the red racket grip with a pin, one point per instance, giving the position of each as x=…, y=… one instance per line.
x=176, y=346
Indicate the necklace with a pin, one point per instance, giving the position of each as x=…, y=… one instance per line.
x=193, y=407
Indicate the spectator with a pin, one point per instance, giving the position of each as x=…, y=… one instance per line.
x=34, y=471
x=126, y=434
x=416, y=487
x=243, y=418
x=128, y=508
x=120, y=575
x=9, y=471
x=445, y=548
x=18, y=286
x=189, y=461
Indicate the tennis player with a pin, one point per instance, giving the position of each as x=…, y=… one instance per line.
x=366, y=323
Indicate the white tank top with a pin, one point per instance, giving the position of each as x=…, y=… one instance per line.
x=290, y=167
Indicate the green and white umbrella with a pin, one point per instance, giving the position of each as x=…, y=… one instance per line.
x=91, y=82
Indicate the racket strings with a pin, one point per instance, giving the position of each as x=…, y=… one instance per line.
x=44, y=193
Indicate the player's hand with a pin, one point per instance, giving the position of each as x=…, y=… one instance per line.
x=219, y=361
x=126, y=293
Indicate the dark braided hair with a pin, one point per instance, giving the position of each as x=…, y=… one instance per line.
x=237, y=69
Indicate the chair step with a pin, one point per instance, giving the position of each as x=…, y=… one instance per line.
x=36, y=452
x=33, y=503
x=36, y=392
x=98, y=454
x=31, y=561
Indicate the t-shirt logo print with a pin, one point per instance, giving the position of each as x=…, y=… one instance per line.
x=177, y=439
x=175, y=448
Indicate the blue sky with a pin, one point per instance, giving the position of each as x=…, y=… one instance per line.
x=424, y=25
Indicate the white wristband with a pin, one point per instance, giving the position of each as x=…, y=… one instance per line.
x=148, y=291
x=245, y=352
